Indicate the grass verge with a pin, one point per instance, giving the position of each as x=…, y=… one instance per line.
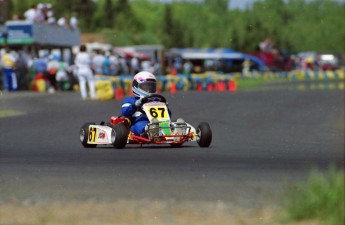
x=322, y=198
x=7, y=113
x=246, y=84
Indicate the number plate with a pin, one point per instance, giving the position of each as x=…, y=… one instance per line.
x=99, y=135
x=156, y=110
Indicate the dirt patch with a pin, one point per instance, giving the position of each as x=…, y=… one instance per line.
x=138, y=212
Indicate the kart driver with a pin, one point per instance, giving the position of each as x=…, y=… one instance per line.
x=144, y=84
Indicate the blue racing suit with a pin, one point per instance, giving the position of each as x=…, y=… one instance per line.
x=138, y=119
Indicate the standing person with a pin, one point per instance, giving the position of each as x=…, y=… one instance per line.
x=187, y=67
x=123, y=66
x=97, y=62
x=134, y=65
x=30, y=14
x=73, y=22
x=52, y=67
x=83, y=70
x=22, y=70
x=114, y=64
x=106, y=64
x=62, y=79
x=9, y=78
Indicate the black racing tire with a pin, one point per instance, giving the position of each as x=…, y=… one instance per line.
x=204, y=133
x=121, y=135
x=84, y=135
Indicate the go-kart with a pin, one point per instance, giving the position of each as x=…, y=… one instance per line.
x=160, y=129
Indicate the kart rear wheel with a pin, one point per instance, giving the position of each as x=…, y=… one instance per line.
x=121, y=135
x=84, y=135
x=204, y=133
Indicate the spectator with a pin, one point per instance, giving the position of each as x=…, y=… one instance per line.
x=114, y=64
x=30, y=14
x=51, y=19
x=8, y=61
x=22, y=69
x=62, y=22
x=62, y=79
x=83, y=71
x=157, y=68
x=146, y=66
x=266, y=45
x=97, y=62
x=187, y=67
x=134, y=65
x=41, y=66
x=52, y=68
x=39, y=16
x=106, y=64
x=178, y=64
x=246, y=67
x=73, y=22
x=123, y=66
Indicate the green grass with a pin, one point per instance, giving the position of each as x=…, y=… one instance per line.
x=7, y=113
x=321, y=198
x=247, y=84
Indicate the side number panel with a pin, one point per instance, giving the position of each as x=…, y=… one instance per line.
x=92, y=134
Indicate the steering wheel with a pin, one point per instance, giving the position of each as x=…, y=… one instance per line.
x=153, y=98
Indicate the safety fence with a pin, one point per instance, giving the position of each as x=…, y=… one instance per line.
x=118, y=87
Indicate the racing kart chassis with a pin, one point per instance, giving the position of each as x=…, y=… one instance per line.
x=160, y=129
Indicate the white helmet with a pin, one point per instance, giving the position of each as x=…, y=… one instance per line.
x=144, y=84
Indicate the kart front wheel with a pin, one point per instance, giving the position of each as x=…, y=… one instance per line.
x=204, y=133
x=84, y=135
x=120, y=135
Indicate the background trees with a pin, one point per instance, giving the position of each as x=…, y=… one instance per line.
x=294, y=25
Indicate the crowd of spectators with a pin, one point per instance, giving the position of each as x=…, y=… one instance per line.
x=44, y=13
x=24, y=70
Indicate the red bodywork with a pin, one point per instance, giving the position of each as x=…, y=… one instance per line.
x=134, y=139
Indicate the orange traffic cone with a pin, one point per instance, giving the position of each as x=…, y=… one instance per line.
x=232, y=86
x=221, y=86
x=210, y=87
x=172, y=88
x=199, y=87
x=119, y=94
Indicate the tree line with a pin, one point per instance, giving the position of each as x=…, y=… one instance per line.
x=294, y=25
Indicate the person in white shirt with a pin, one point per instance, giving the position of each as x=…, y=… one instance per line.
x=39, y=16
x=73, y=22
x=84, y=73
x=114, y=64
x=97, y=62
x=30, y=14
x=51, y=19
x=134, y=65
x=62, y=22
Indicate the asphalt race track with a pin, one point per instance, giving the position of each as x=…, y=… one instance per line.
x=263, y=141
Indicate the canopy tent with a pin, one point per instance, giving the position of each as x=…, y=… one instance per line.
x=130, y=53
x=216, y=54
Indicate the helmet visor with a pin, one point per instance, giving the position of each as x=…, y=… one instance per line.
x=148, y=86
